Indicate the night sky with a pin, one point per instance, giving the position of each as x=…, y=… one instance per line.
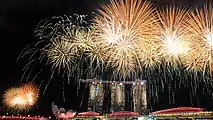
x=19, y=18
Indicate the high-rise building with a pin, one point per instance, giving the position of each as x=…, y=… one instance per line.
x=123, y=96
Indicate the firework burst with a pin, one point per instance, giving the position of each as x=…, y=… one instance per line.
x=22, y=98
x=120, y=25
x=67, y=44
x=172, y=36
x=60, y=54
x=201, y=26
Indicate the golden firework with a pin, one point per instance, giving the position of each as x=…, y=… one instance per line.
x=96, y=52
x=134, y=15
x=60, y=54
x=22, y=98
x=201, y=27
x=148, y=53
x=120, y=25
x=172, y=35
x=63, y=50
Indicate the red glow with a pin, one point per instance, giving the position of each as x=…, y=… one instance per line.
x=88, y=114
x=67, y=115
x=22, y=117
x=123, y=113
x=179, y=109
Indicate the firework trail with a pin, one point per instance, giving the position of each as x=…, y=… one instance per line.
x=172, y=42
x=199, y=59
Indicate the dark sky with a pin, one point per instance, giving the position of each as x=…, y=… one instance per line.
x=182, y=2
x=18, y=19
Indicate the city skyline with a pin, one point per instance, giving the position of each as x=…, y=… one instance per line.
x=18, y=21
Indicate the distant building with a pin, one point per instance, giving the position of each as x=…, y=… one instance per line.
x=109, y=96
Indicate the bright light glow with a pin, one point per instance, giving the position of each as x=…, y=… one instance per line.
x=18, y=100
x=176, y=47
x=209, y=38
x=173, y=47
x=142, y=118
x=111, y=33
x=30, y=98
x=173, y=38
x=23, y=100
